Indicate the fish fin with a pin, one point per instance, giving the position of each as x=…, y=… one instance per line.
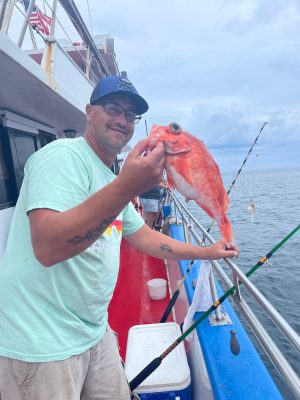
x=226, y=229
x=223, y=200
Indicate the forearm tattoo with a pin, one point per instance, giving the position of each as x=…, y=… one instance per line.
x=166, y=247
x=92, y=234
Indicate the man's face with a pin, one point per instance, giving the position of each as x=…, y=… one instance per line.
x=110, y=133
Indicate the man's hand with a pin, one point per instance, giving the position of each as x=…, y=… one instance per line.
x=161, y=246
x=141, y=173
x=220, y=249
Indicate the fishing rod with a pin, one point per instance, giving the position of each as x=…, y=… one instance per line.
x=240, y=170
x=249, y=152
x=176, y=293
x=154, y=364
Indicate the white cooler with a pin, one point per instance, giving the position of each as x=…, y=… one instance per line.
x=172, y=379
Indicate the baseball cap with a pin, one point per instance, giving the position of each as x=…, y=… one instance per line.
x=118, y=85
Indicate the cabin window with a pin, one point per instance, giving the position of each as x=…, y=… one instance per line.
x=19, y=139
x=22, y=146
x=8, y=193
x=44, y=138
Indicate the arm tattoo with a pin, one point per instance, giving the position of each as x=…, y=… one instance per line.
x=93, y=233
x=166, y=247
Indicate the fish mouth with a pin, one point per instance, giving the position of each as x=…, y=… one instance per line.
x=175, y=128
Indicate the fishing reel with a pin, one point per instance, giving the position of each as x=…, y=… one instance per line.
x=268, y=264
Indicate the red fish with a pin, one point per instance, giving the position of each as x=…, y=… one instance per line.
x=194, y=173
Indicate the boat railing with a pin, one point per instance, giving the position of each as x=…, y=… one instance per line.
x=183, y=216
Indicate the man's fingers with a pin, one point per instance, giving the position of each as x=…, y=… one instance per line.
x=234, y=248
x=157, y=154
x=231, y=253
x=139, y=148
x=231, y=250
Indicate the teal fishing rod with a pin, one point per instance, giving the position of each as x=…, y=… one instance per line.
x=176, y=293
x=154, y=364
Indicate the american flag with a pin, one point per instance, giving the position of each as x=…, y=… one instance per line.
x=37, y=18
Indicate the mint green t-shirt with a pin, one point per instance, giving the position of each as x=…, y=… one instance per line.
x=52, y=313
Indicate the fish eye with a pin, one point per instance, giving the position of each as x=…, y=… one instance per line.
x=175, y=128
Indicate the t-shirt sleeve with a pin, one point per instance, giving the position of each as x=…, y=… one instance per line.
x=56, y=178
x=132, y=221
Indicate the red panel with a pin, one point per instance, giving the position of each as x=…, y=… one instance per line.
x=131, y=304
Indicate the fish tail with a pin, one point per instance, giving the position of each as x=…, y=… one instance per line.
x=226, y=229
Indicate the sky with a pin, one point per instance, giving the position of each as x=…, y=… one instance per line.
x=219, y=68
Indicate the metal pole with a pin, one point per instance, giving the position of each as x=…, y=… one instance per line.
x=54, y=8
x=23, y=30
x=32, y=37
x=7, y=7
x=2, y=12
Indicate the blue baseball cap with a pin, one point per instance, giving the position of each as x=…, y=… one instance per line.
x=119, y=85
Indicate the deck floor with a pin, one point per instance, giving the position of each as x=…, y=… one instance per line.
x=131, y=304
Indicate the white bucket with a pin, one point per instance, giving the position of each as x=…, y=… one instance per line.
x=157, y=288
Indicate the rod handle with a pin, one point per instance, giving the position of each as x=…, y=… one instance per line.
x=151, y=367
x=170, y=306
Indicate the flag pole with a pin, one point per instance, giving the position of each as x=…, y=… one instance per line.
x=54, y=8
x=23, y=30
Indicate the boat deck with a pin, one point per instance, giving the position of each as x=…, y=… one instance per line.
x=131, y=304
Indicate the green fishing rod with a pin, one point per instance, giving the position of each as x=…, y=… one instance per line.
x=154, y=364
x=176, y=293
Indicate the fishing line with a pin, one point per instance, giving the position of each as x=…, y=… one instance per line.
x=89, y=13
x=239, y=171
x=154, y=364
x=146, y=127
x=251, y=208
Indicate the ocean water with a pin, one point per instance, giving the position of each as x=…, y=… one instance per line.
x=276, y=195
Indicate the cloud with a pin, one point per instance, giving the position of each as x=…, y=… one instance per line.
x=219, y=68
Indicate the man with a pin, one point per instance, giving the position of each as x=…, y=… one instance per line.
x=55, y=342
x=150, y=202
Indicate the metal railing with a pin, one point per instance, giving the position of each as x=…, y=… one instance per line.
x=182, y=215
